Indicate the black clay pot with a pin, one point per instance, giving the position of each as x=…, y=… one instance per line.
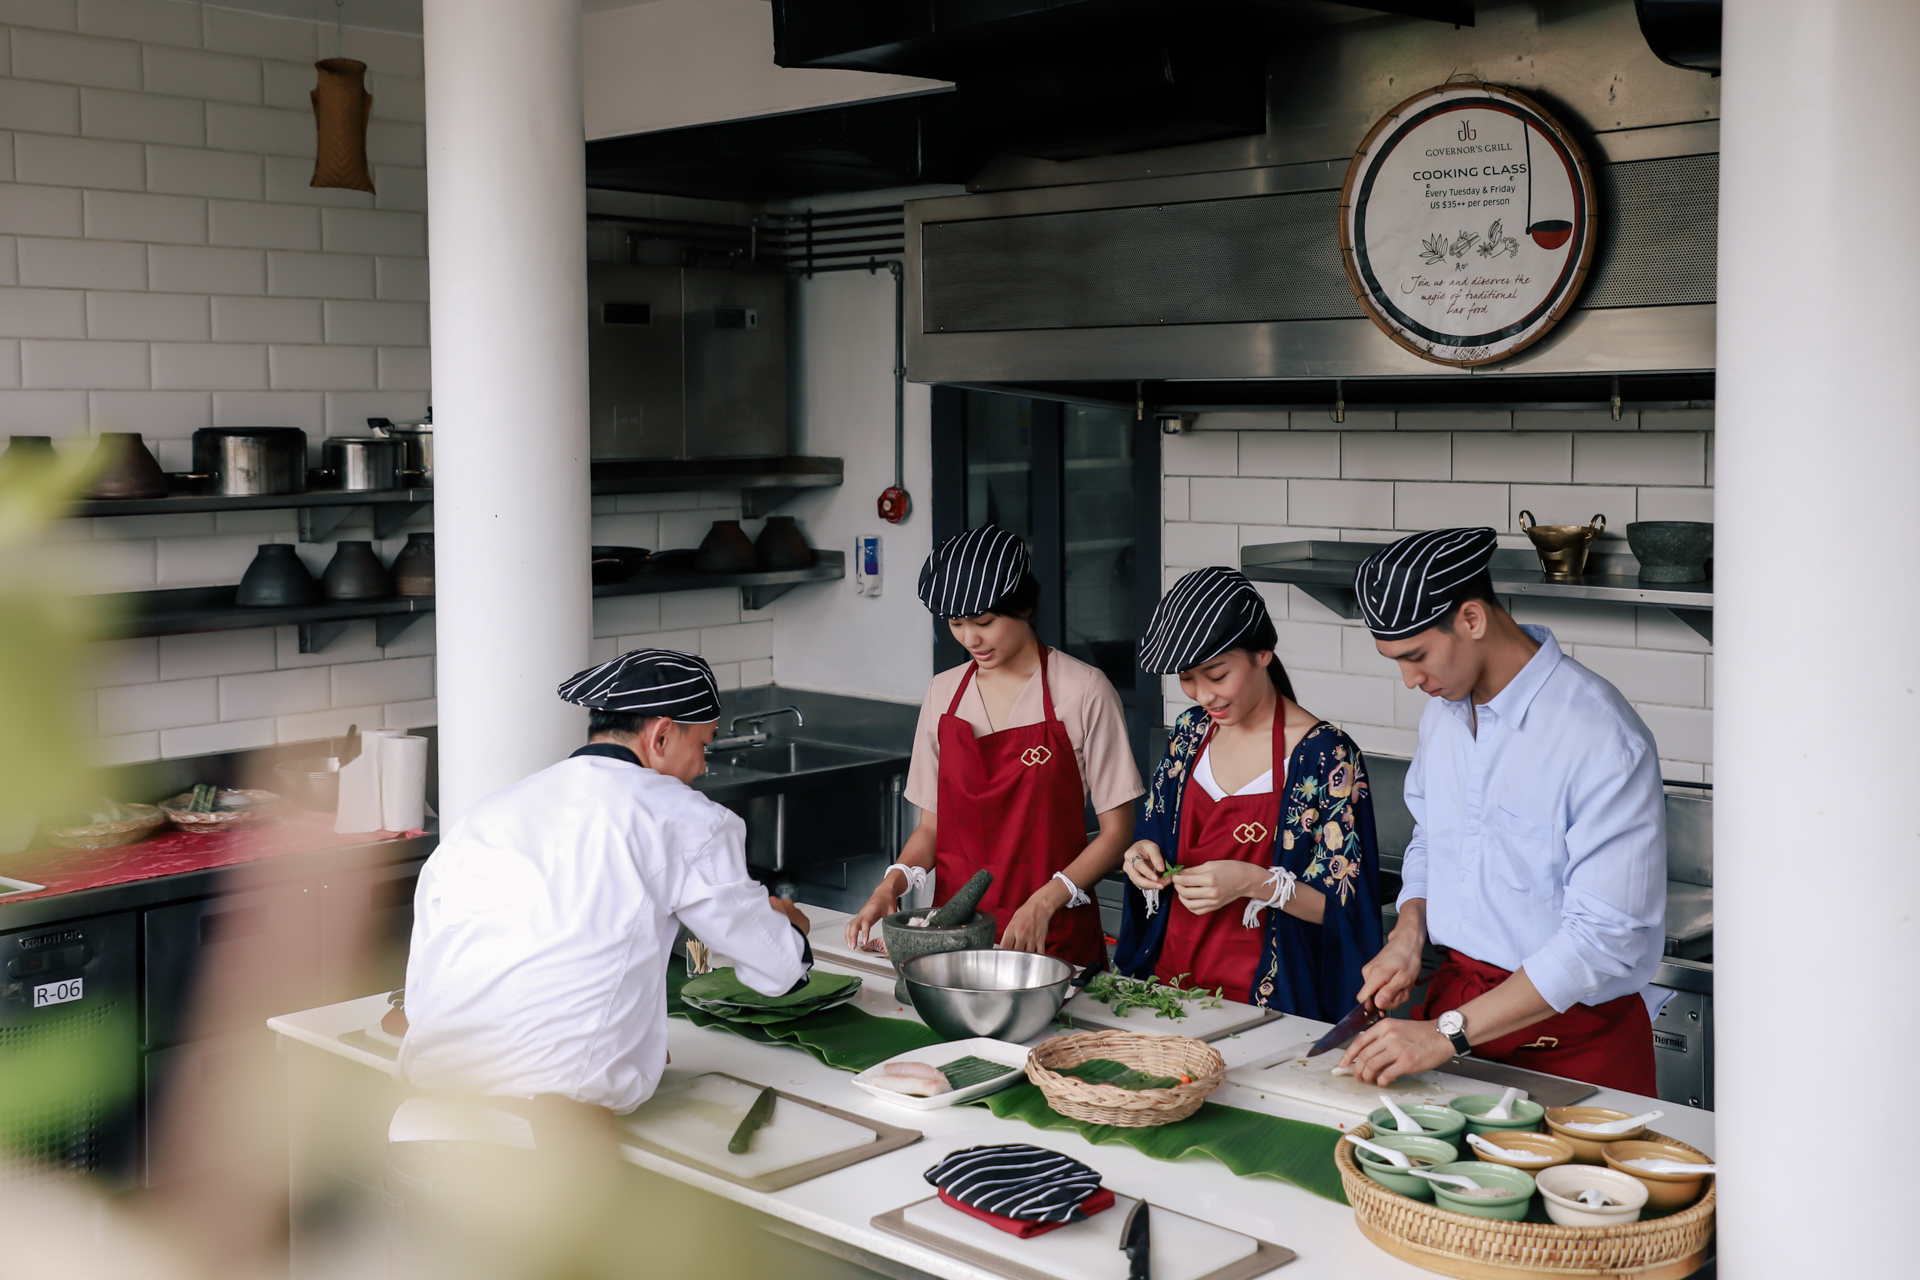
x=277, y=579
x=781, y=545
x=413, y=567
x=355, y=573
x=617, y=564
x=726, y=549
x=124, y=469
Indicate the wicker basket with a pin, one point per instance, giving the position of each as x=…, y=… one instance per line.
x=1109, y=1103
x=179, y=811
x=143, y=821
x=1456, y=1244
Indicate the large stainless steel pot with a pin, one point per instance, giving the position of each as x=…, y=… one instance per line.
x=418, y=437
x=251, y=460
x=362, y=462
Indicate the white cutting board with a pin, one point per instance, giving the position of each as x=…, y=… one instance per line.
x=1089, y=1014
x=1183, y=1248
x=698, y=1119
x=1311, y=1080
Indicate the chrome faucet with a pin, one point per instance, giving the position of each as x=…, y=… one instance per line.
x=735, y=740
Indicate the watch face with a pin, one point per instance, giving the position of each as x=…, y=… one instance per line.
x=1452, y=1022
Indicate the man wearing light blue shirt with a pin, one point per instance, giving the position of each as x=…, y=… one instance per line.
x=1538, y=857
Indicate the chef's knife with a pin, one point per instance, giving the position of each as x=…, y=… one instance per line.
x=1346, y=1029
x=1136, y=1241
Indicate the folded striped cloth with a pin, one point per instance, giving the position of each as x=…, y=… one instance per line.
x=1016, y=1180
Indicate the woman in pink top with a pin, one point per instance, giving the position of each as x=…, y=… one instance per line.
x=1010, y=749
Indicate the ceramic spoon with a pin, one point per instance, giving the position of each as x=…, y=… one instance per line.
x=1613, y=1126
x=1479, y=1143
x=1450, y=1179
x=1401, y=1120
x=1503, y=1109
x=1398, y=1159
x=1594, y=1198
x=1654, y=1164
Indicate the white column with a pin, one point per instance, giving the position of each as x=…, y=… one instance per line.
x=1816, y=692
x=507, y=238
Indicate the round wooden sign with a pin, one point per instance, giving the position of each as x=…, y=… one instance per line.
x=1467, y=223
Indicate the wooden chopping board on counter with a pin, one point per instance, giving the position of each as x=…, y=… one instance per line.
x=1089, y=1014
x=1183, y=1248
x=1294, y=1075
x=691, y=1123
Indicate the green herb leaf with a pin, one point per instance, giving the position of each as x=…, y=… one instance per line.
x=963, y=1073
x=1107, y=1071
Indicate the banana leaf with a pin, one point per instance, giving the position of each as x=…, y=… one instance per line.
x=844, y=1037
x=1250, y=1143
x=723, y=986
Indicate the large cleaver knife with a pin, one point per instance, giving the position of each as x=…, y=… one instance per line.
x=1346, y=1029
x=1136, y=1241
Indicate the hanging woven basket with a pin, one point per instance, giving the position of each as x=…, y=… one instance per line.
x=341, y=108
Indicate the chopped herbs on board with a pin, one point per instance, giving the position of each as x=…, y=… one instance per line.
x=1123, y=995
x=965, y=1072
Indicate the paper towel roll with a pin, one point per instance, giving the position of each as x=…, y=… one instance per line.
x=403, y=783
x=359, y=807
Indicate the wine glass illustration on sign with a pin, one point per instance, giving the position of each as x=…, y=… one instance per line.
x=1550, y=221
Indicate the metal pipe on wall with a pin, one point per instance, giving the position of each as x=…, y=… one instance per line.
x=506, y=179
x=1816, y=705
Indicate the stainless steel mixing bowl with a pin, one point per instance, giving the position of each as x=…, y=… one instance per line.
x=1008, y=995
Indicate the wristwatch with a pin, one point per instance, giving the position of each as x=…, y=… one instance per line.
x=1453, y=1025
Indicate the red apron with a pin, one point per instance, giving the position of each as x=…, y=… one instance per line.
x=1012, y=803
x=1216, y=949
x=1609, y=1044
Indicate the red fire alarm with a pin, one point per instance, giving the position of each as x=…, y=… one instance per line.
x=894, y=504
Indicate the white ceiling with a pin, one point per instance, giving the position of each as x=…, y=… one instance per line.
x=380, y=15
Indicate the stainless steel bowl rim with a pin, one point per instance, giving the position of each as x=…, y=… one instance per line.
x=907, y=971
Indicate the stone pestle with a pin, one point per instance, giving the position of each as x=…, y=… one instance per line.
x=959, y=909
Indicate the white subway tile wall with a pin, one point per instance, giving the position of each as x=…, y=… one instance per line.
x=164, y=266
x=1245, y=478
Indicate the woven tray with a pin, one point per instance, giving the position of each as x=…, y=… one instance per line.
x=1109, y=1103
x=180, y=813
x=1457, y=1244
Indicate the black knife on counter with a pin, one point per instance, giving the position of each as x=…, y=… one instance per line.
x=1346, y=1029
x=1136, y=1241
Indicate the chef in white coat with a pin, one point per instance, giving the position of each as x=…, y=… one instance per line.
x=543, y=927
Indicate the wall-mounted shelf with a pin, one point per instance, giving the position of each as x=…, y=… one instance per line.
x=187, y=610
x=764, y=483
x=1324, y=570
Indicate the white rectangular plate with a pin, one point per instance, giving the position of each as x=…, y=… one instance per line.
x=1003, y=1051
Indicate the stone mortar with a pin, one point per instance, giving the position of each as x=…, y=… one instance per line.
x=904, y=942
x=1671, y=550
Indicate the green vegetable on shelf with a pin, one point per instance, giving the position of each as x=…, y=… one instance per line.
x=758, y=1114
x=1107, y=1071
x=205, y=794
x=965, y=1072
x=1123, y=995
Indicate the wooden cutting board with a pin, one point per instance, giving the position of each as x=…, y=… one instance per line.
x=1183, y=1248
x=1089, y=1014
x=1293, y=1075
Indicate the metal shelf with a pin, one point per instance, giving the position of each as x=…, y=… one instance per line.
x=186, y=610
x=764, y=484
x=1324, y=570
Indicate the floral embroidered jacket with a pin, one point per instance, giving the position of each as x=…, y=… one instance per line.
x=1326, y=838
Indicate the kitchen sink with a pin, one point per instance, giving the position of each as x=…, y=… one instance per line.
x=791, y=757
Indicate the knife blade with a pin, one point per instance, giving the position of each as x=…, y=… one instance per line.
x=1346, y=1029
x=1136, y=1241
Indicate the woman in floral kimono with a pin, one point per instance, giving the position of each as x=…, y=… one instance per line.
x=1258, y=820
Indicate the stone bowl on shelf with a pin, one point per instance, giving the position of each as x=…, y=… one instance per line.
x=1671, y=550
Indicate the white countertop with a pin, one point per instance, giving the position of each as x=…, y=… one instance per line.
x=842, y=1204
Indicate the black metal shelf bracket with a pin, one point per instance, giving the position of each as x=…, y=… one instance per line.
x=316, y=636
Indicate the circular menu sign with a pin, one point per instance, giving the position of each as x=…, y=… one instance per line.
x=1467, y=223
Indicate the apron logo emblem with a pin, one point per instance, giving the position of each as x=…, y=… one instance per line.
x=1544, y=1042
x=1035, y=755
x=1249, y=833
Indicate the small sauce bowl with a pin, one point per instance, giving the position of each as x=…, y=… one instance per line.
x=1416, y=1146
x=1512, y=1207
x=1560, y=1190
x=1443, y=1123
x=1558, y=1151
x=1586, y=1146
x=1526, y=1114
x=1666, y=1192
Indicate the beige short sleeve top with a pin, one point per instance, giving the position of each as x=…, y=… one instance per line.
x=1087, y=705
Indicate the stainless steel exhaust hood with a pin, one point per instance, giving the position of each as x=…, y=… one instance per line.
x=1236, y=275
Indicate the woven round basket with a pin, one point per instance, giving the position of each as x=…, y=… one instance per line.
x=180, y=813
x=1109, y=1103
x=1457, y=1244
x=143, y=821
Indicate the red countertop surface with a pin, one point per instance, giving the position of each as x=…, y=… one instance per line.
x=171, y=852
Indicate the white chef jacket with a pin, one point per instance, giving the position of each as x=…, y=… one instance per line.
x=1542, y=841
x=543, y=925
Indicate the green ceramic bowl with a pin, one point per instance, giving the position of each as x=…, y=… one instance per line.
x=1443, y=1123
x=1511, y=1207
x=1414, y=1145
x=1526, y=1115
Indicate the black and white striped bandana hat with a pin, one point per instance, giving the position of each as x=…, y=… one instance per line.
x=1207, y=613
x=1407, y=586
x=970, y=572
x=649, y=682
x=1017, y=1181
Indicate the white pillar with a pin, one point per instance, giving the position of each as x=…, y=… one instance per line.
x=1815, y=689
x=506, y=190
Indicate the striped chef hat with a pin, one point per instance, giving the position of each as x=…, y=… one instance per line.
x=1407, y=586
x=971, y=572
x=1207, y=613
x=649, y=682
